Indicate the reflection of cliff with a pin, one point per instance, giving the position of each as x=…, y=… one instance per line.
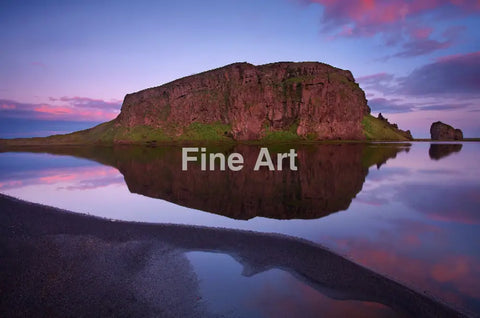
x=69, y=263
x=439, y=151
x=328, y=178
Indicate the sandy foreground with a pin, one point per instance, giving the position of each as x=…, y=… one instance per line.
x=56, y=263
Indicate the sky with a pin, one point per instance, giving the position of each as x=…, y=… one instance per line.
x=67, y=65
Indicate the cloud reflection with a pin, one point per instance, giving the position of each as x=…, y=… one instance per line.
x=436, y=201
x=422, y=255
x=68, y=178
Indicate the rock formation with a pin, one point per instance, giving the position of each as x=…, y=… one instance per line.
x=441, y=131
x=272, y=102
x=315, y=99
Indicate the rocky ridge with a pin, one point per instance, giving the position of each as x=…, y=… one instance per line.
x=277, y=102
x=315, y=100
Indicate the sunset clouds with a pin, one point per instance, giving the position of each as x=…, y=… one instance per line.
x=455, y=74
x=446, y=88
x=418, y=27
x=448, y=83
x=367, y=17
x=63, y=108
x=409, y=56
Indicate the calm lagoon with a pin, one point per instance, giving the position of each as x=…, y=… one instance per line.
x=407, y=211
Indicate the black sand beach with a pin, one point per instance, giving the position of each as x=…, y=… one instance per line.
x=56, y=263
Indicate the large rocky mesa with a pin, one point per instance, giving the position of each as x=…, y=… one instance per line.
x=282, y=101
x=314, y=100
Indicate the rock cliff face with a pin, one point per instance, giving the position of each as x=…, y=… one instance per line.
x=441, y=131
x=314, y=100
x=282, y=101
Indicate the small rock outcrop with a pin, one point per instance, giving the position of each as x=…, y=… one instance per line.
x=406, y=134
x=442, y=131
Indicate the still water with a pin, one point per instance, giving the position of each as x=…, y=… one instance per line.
x=407, y=211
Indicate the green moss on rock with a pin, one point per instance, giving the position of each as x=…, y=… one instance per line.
x=206, y=132
x=281, y=135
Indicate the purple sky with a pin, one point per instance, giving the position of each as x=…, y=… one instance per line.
x=74, y=61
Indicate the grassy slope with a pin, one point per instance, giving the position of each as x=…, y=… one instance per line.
x=98, y=134
x=287, y=135
x=107, y=133
x=373, y=128
x=376, y=129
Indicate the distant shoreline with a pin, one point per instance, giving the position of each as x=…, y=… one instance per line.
x=32, y=142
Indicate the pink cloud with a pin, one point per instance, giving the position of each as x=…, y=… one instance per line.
x=64, y=108
x=421, y=33
x=56, y=178
x=53, y=110
x=368, y=15
x=87, y=102
x=8, y=106
x=77, y=178
x=461, y=58
x=420, y=42
x=442, y=266
x=396, y=21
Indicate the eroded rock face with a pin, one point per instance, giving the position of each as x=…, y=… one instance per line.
x=441, y=131
x=317, y=100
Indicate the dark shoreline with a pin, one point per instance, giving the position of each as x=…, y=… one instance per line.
x=44, y=249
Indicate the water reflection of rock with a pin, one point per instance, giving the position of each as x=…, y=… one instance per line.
x=327, y=180
x=69, y=264
x=329, y=176
x=439, y=151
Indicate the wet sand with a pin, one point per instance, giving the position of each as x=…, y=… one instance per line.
x=57, y=263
